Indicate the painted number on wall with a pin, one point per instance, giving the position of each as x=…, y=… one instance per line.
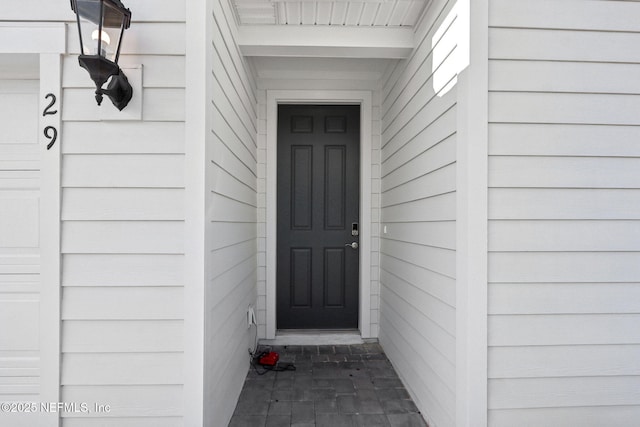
x=50, y=132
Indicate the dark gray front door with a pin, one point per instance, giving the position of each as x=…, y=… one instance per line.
x=318, y=207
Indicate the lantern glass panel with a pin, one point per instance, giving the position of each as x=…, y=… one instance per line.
x=112, y=27
x=100, y=38
x=88, y=18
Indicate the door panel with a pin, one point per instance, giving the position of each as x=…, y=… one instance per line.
x=301, y=277
x=318, y=200
x=301, y=200
x=334, y=187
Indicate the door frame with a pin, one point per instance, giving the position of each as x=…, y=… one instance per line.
x=329, y=97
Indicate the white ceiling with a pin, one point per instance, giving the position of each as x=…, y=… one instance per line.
x=383, y=13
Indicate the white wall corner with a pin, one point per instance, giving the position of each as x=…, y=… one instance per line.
x=472, y=216
x=197, y=128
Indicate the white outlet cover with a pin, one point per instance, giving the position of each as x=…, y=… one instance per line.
x=251, y=317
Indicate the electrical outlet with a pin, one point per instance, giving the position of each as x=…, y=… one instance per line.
x=251, y=317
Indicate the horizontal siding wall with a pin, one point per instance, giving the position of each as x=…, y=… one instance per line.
x=418, y=208
x=231, y=220
x=123, y=234
x=564, y=205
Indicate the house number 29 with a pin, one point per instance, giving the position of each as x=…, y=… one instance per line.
x=50, y=132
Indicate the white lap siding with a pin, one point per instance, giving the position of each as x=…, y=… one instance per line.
x=123, y=234
x=231, y=246
x=564, y=203
x=418, y=210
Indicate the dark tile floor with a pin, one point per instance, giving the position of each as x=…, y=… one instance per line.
x=335, y=386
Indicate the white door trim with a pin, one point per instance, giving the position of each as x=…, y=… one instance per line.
x=364, y=99
x=197, y=130
x=472, y=217
x=50, y=229
x=36, y=38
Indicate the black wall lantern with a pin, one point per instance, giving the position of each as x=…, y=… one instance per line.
x=101, y=24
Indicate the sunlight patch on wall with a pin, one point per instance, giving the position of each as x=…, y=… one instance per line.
x=450, y=46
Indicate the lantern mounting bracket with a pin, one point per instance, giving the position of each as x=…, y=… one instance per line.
x=101, y=70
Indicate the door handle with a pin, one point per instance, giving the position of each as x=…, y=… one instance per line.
x=353, y=245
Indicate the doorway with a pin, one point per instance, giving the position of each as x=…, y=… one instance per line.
x=318, y=205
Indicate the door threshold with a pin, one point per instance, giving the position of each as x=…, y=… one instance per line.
x=315, y=337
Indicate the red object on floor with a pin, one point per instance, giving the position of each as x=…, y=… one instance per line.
x=269, y=359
